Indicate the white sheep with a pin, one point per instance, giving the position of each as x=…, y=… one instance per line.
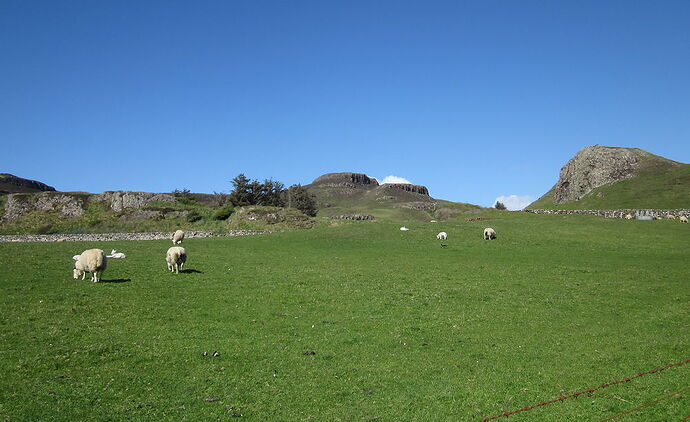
x=116, y=254
x=442, y=236
x=91, y=261
x=683, y=219
x=176, y=257
x=489, y=233
x=403, y=228
x=178, y=237
x=670, y=217
x=628, y=216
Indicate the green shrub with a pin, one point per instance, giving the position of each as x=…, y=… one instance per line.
x=193, y=216
x=223, y=213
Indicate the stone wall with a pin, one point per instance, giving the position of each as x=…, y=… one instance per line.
x=358, y=217
x=108, y=237
x=617, y=213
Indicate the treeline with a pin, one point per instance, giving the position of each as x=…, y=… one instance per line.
x=271, y=193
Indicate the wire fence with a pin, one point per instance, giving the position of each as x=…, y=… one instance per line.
x=589, y=391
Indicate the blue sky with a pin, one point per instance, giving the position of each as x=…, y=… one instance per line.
x=474, y=100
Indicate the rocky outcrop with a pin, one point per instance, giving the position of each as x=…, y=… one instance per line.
x=596, y=166
x=68, y=205
x=10, y=183
x=74, y=204
x=351, y=180
x=422, y=190
x=122, y=200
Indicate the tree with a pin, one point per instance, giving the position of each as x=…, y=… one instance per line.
x=499, y=205
x=242, y=193
x=253, y=192
x=300, y=198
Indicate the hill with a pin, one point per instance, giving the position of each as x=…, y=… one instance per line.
x=10, y=183
x=356, y=193
x=600, y=177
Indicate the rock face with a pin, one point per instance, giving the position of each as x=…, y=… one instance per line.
x=596, y=166
x=345, y=179
x=422, y=190
x=74, y=204
x=121, y=200
x=10, y=183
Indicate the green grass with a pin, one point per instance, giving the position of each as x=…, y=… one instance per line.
x=402, y=329
x=370, y=200
x=660, y=187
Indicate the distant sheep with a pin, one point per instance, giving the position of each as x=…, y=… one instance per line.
x=91, y=261
x=176, y=257
x=628, y=217
x=403, y=228
x=683, y=219
x=442, y=236
x=489, y=233
x=178, y=237
x=670, y=217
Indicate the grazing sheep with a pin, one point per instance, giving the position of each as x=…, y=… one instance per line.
x=91, y=261
x=403, y=228
x=116, y=254
x=628, y=216
x=176, y=257
x=670, y=217
x=442, y=236
x=683, y=219
x=489, y=233
x=178, y=237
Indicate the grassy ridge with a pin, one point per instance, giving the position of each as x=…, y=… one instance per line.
x=402, y=329
x=658, y=185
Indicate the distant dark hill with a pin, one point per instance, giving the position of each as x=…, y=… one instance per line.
x=600, y=177
x=10, y=183
x=356, y=193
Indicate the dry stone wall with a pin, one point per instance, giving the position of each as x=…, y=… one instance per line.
x=107, y=237
x=617, y=213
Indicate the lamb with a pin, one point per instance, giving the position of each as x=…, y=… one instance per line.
x=442, y=236
x=116, y=254
x=683, y=219
x=628, y=217
x=489, y=233
x=91, y=261
x=176, y=257
x=178, y=237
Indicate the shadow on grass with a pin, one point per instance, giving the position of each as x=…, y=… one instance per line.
x=190, y=271
x=117, y=280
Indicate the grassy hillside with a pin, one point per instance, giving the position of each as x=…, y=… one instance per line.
x=659, y=184
x=355, y=322
x=385, y=203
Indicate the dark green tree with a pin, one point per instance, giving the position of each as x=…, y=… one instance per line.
x=253, y=192
x=499, y=205
x=299, y=197
x=242, y=191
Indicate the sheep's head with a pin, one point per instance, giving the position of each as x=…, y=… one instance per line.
x=77, y=273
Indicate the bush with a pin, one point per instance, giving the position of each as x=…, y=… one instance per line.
x=499, y=205
x=193, y=216
x=223, y=213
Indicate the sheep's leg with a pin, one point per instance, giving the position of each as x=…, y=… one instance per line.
x=83, y=275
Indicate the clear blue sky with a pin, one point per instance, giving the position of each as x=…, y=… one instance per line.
x=472, y=99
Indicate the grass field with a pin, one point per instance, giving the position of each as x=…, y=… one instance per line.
x=359, y=322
